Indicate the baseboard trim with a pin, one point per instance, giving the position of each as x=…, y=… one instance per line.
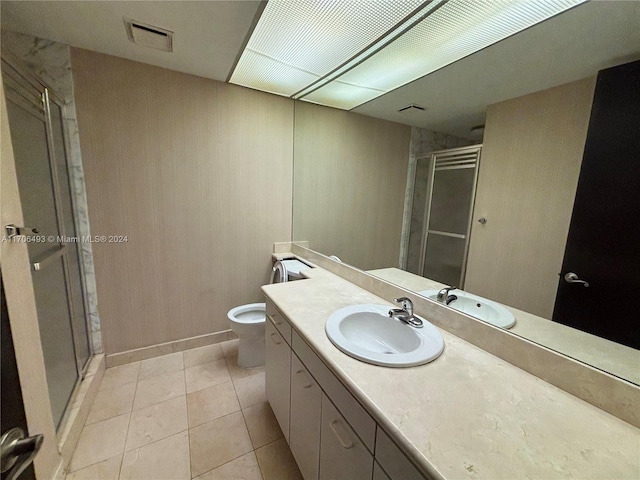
x=143, y=353
x=78, y=409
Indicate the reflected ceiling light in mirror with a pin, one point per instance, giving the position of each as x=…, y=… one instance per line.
x=298, y=42
x=455, y=30
x=343, y=53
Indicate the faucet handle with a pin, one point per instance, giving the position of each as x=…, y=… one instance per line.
x=407, y=304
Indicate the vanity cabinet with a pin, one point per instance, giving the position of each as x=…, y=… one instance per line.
x=305, y=417
x=378, y=472
x=342, y=453
x=330, y=434
x=277, y=374
x=392, y=460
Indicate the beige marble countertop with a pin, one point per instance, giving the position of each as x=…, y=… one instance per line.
x=468, y=414
x=611, y=357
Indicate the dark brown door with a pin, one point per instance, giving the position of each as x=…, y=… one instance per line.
x=603, y=245
x=11, y=406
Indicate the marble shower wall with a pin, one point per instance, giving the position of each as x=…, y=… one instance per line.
x=51, y=62
x=422, y=141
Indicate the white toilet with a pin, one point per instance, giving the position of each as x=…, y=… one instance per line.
x=248, y=321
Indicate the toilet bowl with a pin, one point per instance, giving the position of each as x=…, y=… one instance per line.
x=248, y=322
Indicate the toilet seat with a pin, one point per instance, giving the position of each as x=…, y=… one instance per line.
x=248, y=314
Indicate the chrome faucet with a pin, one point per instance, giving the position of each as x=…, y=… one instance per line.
x=444, y=297
x=405, y=314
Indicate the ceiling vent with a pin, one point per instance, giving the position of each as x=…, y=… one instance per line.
x=149, y=35
x=412, y=108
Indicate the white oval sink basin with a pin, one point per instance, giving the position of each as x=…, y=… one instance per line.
x=367, y=333
x=478, y=307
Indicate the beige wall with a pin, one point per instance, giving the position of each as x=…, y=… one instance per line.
x=198, y=175
x=533, y=148
x=349, y=184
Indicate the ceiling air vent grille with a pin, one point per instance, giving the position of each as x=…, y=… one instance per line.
x=412, y=108
x=149, y=35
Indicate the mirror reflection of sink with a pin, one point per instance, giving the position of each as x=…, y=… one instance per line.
x=367, y=333
x=478, y=307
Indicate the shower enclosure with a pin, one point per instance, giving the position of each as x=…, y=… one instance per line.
x=443, y=197
x=39, y=145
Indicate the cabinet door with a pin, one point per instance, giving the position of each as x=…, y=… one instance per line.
x=342, y=453
x=277, y=376
x=306, y=407
x=378, y=473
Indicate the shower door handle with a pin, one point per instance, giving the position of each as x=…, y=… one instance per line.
x=17, y=452
x=39, y=265
x=14, y=231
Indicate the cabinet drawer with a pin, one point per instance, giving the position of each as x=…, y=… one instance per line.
x=354, y=413
x=342, y=454
x=277, y=376
x=279, y=321
x=394, y=462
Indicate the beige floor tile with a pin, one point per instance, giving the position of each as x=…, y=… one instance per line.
x=262, y=424
x=215, y=443
x=107, y=470
x=240, y=372
x=100, y=441
x=206, y=375
x=112, y=402
x=211, y=403
x=167, y=459
x=161, y=365
x=277, y=463
x=251, y=390
x=156, y=422
x=198, y=356
x=230, y=347
x=158, y=389
x=243, y=468
x=120, y=375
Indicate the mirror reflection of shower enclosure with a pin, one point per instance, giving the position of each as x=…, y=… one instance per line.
x=443, y=197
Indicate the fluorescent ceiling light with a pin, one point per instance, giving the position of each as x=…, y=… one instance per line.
x=327, y=57
x=297, y=42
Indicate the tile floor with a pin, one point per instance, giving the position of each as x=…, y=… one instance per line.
x=192, y=414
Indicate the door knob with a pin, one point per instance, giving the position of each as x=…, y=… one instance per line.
x=573, y=278
x=17, y=452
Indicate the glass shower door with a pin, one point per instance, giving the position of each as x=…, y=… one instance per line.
x=448, y=219
x=39, y=152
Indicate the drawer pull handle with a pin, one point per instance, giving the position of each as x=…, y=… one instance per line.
x=309, y=382
x=274, y=338
x=345, y=444
x=273, y=319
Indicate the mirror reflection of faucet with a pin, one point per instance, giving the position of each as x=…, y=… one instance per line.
x=444, y=297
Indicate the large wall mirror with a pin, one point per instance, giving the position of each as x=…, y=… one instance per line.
x=362, y=185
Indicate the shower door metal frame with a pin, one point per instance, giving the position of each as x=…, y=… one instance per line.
x=39, y=106
x=452, y=159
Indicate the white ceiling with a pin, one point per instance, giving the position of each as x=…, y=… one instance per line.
x=209, y=36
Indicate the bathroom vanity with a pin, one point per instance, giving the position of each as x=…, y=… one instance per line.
x=467, y=414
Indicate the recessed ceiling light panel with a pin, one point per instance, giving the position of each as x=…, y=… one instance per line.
x=345, y=53
x=297, y=42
